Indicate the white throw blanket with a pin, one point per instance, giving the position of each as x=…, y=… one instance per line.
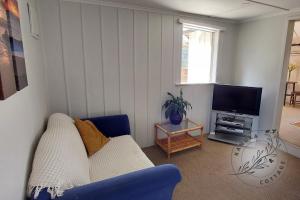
x=60, y=160
x=121, y=155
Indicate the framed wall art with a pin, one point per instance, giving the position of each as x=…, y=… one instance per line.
x=13, y=75
x=16, y=43
x=7, y=76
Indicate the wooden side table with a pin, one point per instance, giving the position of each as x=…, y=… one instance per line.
x=178, y=137
x=293, y=83
x=294, y=96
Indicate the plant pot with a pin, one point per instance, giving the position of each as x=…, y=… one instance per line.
x=176, y=118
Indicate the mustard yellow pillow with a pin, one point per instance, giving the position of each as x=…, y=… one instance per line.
x=92, y=138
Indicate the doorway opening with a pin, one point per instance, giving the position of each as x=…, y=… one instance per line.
x=290, y=117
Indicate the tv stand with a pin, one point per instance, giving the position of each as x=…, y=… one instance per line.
x=232, y=127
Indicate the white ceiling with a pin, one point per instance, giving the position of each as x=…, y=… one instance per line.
x=229, y=9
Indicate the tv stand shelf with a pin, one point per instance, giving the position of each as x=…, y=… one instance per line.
x=232, y=127
x=228, y=138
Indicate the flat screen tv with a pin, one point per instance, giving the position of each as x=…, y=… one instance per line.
x=237, y=99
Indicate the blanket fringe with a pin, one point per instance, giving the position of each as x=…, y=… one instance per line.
x=53, y=191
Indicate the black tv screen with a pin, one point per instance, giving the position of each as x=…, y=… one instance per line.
x=237, y=99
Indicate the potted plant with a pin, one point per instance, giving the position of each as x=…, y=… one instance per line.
x=175, y=108
x=292, y=67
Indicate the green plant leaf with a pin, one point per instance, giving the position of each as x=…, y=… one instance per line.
x=176, y=104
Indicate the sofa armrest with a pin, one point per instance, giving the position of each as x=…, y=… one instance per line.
x=112, y=126
x=153, y=183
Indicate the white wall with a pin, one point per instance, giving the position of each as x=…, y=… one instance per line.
x=22, y=119
x=295, y=57
x=108, y=60
x=295, y=75
x=259, y=61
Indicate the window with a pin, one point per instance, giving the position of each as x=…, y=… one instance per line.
x=198, y=54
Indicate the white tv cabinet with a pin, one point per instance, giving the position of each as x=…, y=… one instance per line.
x=232, y=127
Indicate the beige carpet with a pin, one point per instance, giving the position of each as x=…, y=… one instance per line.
x=206, y=176
x=288, y=131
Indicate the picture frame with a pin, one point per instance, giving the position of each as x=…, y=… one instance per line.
x=7, y=77
x=13, y=76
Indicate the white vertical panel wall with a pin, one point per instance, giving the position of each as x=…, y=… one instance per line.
x=167, y=79
x=140, y=75
x=92, y=49
x=154, y=73
x=126, y=56
x=110, y=53
x=108, y=60
x=55, y=72
x=73, y=57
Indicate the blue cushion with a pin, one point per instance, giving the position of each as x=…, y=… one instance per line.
x=112, y=126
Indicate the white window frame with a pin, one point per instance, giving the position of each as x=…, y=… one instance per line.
x=216, y=47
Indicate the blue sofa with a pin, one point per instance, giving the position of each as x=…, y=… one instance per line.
x=155, y=183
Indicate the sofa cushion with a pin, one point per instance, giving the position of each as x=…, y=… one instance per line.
x=60, y=160
x=92, y=138
x=120, y=156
